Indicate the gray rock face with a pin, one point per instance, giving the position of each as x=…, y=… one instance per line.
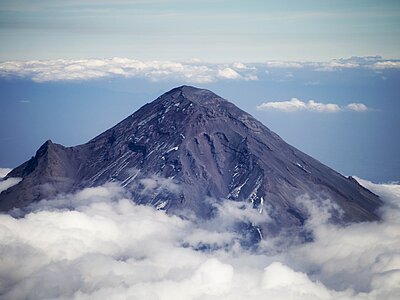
x=185, y=147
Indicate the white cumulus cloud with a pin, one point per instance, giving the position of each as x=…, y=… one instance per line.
x=296, y=104
x=337, y=65
x=355, y=62
x=386, y=65
x=357, y=107
x=98, y=244
x=193, y=71
x=86, y=69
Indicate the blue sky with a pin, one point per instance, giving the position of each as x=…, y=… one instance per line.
x=71, y=69
x=213, y=31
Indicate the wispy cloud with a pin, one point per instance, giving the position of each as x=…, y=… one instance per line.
x=284, y=64
x=296, y=104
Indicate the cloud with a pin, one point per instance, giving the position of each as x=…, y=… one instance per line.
x=287, y=106
x=337, y=65
x=386, y=65
x=278, y=277
x=86, y=69
x=4, y=172
x=155, y=184
x=6, y=184
x=360, y=257
x=355, y=62
x=98, y=244
x=359, y=107
x=284, y=64
x=193, y=71
x=295, y=104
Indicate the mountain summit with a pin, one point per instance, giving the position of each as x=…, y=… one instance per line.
x=186, y=149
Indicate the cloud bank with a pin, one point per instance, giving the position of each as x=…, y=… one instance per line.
x=355, y=62
x=296, y=104
x=86, y=69
x=190, y=72
x=97, y=244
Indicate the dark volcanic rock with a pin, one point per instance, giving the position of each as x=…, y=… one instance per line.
x=186, y=146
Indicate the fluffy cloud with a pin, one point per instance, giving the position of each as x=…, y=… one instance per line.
x=386, y=65
x=97, y=244
x=336, y=65
x=295, y=104
x=355, y=62
x=292, y=105
x=357, y=107
x=85, y=69
x=191, y=72
x=361, y=257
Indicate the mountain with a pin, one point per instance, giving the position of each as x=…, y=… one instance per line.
x=186, y=149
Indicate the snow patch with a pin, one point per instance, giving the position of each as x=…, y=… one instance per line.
x=235, y=193
x=161, y=205
x=172, y=149
x=304, y=169
x=259, y=232
x=261, y=205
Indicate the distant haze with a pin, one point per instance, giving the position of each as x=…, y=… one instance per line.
x=213, y=31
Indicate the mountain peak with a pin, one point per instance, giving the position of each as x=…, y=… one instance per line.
x=188, y=91
x=202, y=97
x=189, y=146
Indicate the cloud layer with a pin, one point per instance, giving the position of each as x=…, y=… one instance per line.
x=97, y=244
x=191, y=72
x=85, y=69
x=295, y=104
x=355, y=62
